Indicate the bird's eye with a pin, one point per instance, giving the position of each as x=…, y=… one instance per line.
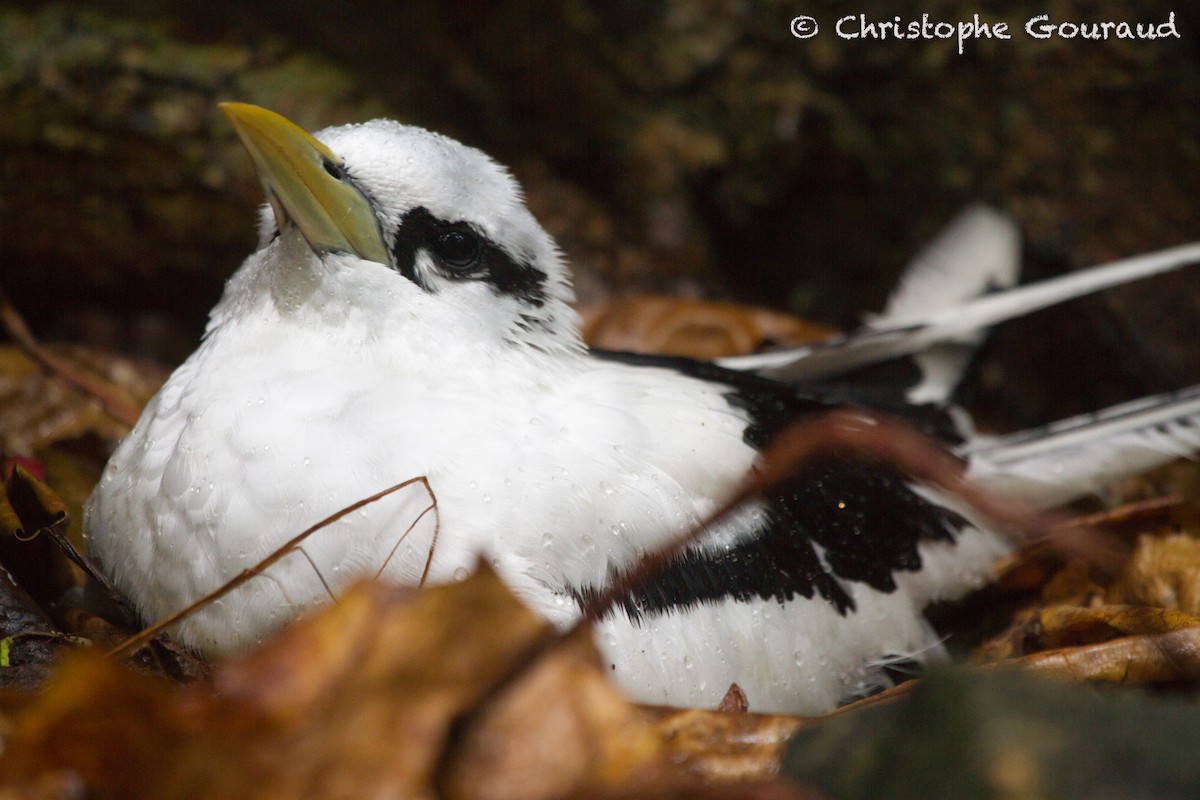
x=334, y=171
x=456, y=248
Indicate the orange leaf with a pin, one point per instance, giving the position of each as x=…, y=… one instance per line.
x=696, y=328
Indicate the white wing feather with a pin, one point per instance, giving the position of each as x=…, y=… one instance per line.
x=904, y=335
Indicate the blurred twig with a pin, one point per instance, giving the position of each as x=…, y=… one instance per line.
x=90, y=385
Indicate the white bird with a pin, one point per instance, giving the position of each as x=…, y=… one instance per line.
x=405, y=316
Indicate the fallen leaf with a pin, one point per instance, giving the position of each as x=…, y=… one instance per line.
x=724, y=747
x=1034, y=564
x=695, y=328
x=1064, y=625
x=33, y=520
x=360, y=700
x=562, y=729
x=1153, y=591
x=60, y=786
x=1163, y=571
x=1158, y=658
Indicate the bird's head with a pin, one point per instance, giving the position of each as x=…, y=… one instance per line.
x=403, y=224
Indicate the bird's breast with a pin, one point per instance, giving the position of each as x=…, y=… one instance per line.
x=558, y=488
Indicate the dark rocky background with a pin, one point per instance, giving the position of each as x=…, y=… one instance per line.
x=690, y=147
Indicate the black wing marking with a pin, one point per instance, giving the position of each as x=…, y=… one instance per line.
x=865, y=520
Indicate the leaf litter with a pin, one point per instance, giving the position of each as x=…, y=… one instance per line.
x=458, y=691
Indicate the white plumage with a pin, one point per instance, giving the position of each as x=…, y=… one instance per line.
x=325, y=377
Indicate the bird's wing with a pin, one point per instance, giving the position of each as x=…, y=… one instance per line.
x=1080, y=455
x=902, y=335
x=839, y=521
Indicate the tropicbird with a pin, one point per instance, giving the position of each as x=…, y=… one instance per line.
x=405, y=316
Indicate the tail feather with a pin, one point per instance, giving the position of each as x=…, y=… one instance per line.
x=904, y=334
x=979, y=252
x=1077, y=456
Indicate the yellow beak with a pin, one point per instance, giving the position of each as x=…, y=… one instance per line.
x=302, y=178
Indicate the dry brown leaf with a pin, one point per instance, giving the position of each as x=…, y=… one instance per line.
x=39, y=613
x=98, y=388
x=561, y=729
x=356, y=701
x=33, y=521
x=1180, y=478
x=695, y=328
x=1095, y=624
x=1063, y=626
x=1036, y=564
x=1158, y=658
x=726, y=747
x=1013, y=642
x=1163, y=571
x=35, y=547
x=1076, y=610
x=1075, y=584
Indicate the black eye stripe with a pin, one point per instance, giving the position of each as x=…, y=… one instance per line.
x=471, y=257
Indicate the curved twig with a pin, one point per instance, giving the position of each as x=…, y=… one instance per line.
x=134, y=642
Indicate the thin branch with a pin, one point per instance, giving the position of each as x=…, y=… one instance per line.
x=134, y=642
x=90, y=385
x=320, y=577
x=80, y=560
x=437, y=528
